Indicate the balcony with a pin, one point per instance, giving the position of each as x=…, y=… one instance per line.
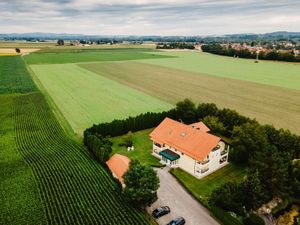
x=205, y=162
x=224, y=159
x=224, y=152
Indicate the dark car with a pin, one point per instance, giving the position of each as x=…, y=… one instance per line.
x=177, y=221
x=163, y=210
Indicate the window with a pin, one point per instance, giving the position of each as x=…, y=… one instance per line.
x=156, y=144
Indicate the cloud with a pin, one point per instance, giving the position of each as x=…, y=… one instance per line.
x=145, y=17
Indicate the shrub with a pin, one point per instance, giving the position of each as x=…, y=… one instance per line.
x=253, y=219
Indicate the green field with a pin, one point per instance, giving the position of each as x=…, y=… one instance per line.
x=266, y=103
x=85, y=98
x=14, y=76
x=19, y=193
x=265, y=72
x=79, y=55
x=201, y=189
x=49, y=178
x=142, y=147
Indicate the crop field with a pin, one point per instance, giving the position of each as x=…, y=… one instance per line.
x=81, y=55
x=85, y=98
x=265, y=72
x=265, y=102
x=49, y=178
x=19, y=194
x=14, y=76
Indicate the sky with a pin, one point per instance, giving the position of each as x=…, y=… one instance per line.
x=145, y=17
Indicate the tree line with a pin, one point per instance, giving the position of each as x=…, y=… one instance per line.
x=175, y=45
x=245, y=53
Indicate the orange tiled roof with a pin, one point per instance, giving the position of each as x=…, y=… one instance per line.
x=200, y=126
x=118, y=164
x=184, y=138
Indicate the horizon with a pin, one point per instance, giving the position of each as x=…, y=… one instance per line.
x=150, y=18
x=151, y=35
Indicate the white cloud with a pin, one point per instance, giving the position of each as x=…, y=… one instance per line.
x=143, y=17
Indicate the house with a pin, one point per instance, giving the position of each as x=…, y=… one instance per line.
x=189, y=147
x=118, y=165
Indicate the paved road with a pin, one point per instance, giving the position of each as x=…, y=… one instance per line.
x=172, y=194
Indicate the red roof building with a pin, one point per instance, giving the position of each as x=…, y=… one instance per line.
x=188, y=146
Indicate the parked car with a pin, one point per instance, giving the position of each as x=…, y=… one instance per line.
x=177, y=221
x=161, y=211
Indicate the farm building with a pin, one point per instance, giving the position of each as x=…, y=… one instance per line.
x=118, y=165
x=189, y=147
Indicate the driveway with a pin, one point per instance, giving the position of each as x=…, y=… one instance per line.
x=181, y=203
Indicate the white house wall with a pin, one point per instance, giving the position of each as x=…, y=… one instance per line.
x=193, y=166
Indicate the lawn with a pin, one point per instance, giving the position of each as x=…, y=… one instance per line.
x=85, y=98
x=265, y=72
x=201, y=189
x=142, y=147
x=80, y=55
x=14, y=76
x=264, y=102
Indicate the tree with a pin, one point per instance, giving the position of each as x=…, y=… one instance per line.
x=60, y=42
x=229, y=196
x=273, y=166
x=295, y=178
x=214, y=124
x=141, y=183
x=186, y=111
x=255, y=193
x=206, y=109
x=246, y=140
x=18, y=50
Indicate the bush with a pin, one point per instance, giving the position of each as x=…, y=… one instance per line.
x=229, y=197
x=224, y=216
x=253, y=219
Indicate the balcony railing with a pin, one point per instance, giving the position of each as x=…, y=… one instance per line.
x=204, y=170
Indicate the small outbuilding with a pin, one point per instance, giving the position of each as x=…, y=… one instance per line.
x=118, y=165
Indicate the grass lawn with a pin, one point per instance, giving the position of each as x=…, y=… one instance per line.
x=201, y=189
x=267, y=105
x=85, y=98
x=79, y=55
x=265, y=72
x=142, y=147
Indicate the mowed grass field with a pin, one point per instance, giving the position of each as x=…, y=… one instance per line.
x=85, y=98
x=269, y=104
x=265, y=72
x=87, y=55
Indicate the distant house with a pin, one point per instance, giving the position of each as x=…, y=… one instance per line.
x=118, y=165
x=189, y=147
